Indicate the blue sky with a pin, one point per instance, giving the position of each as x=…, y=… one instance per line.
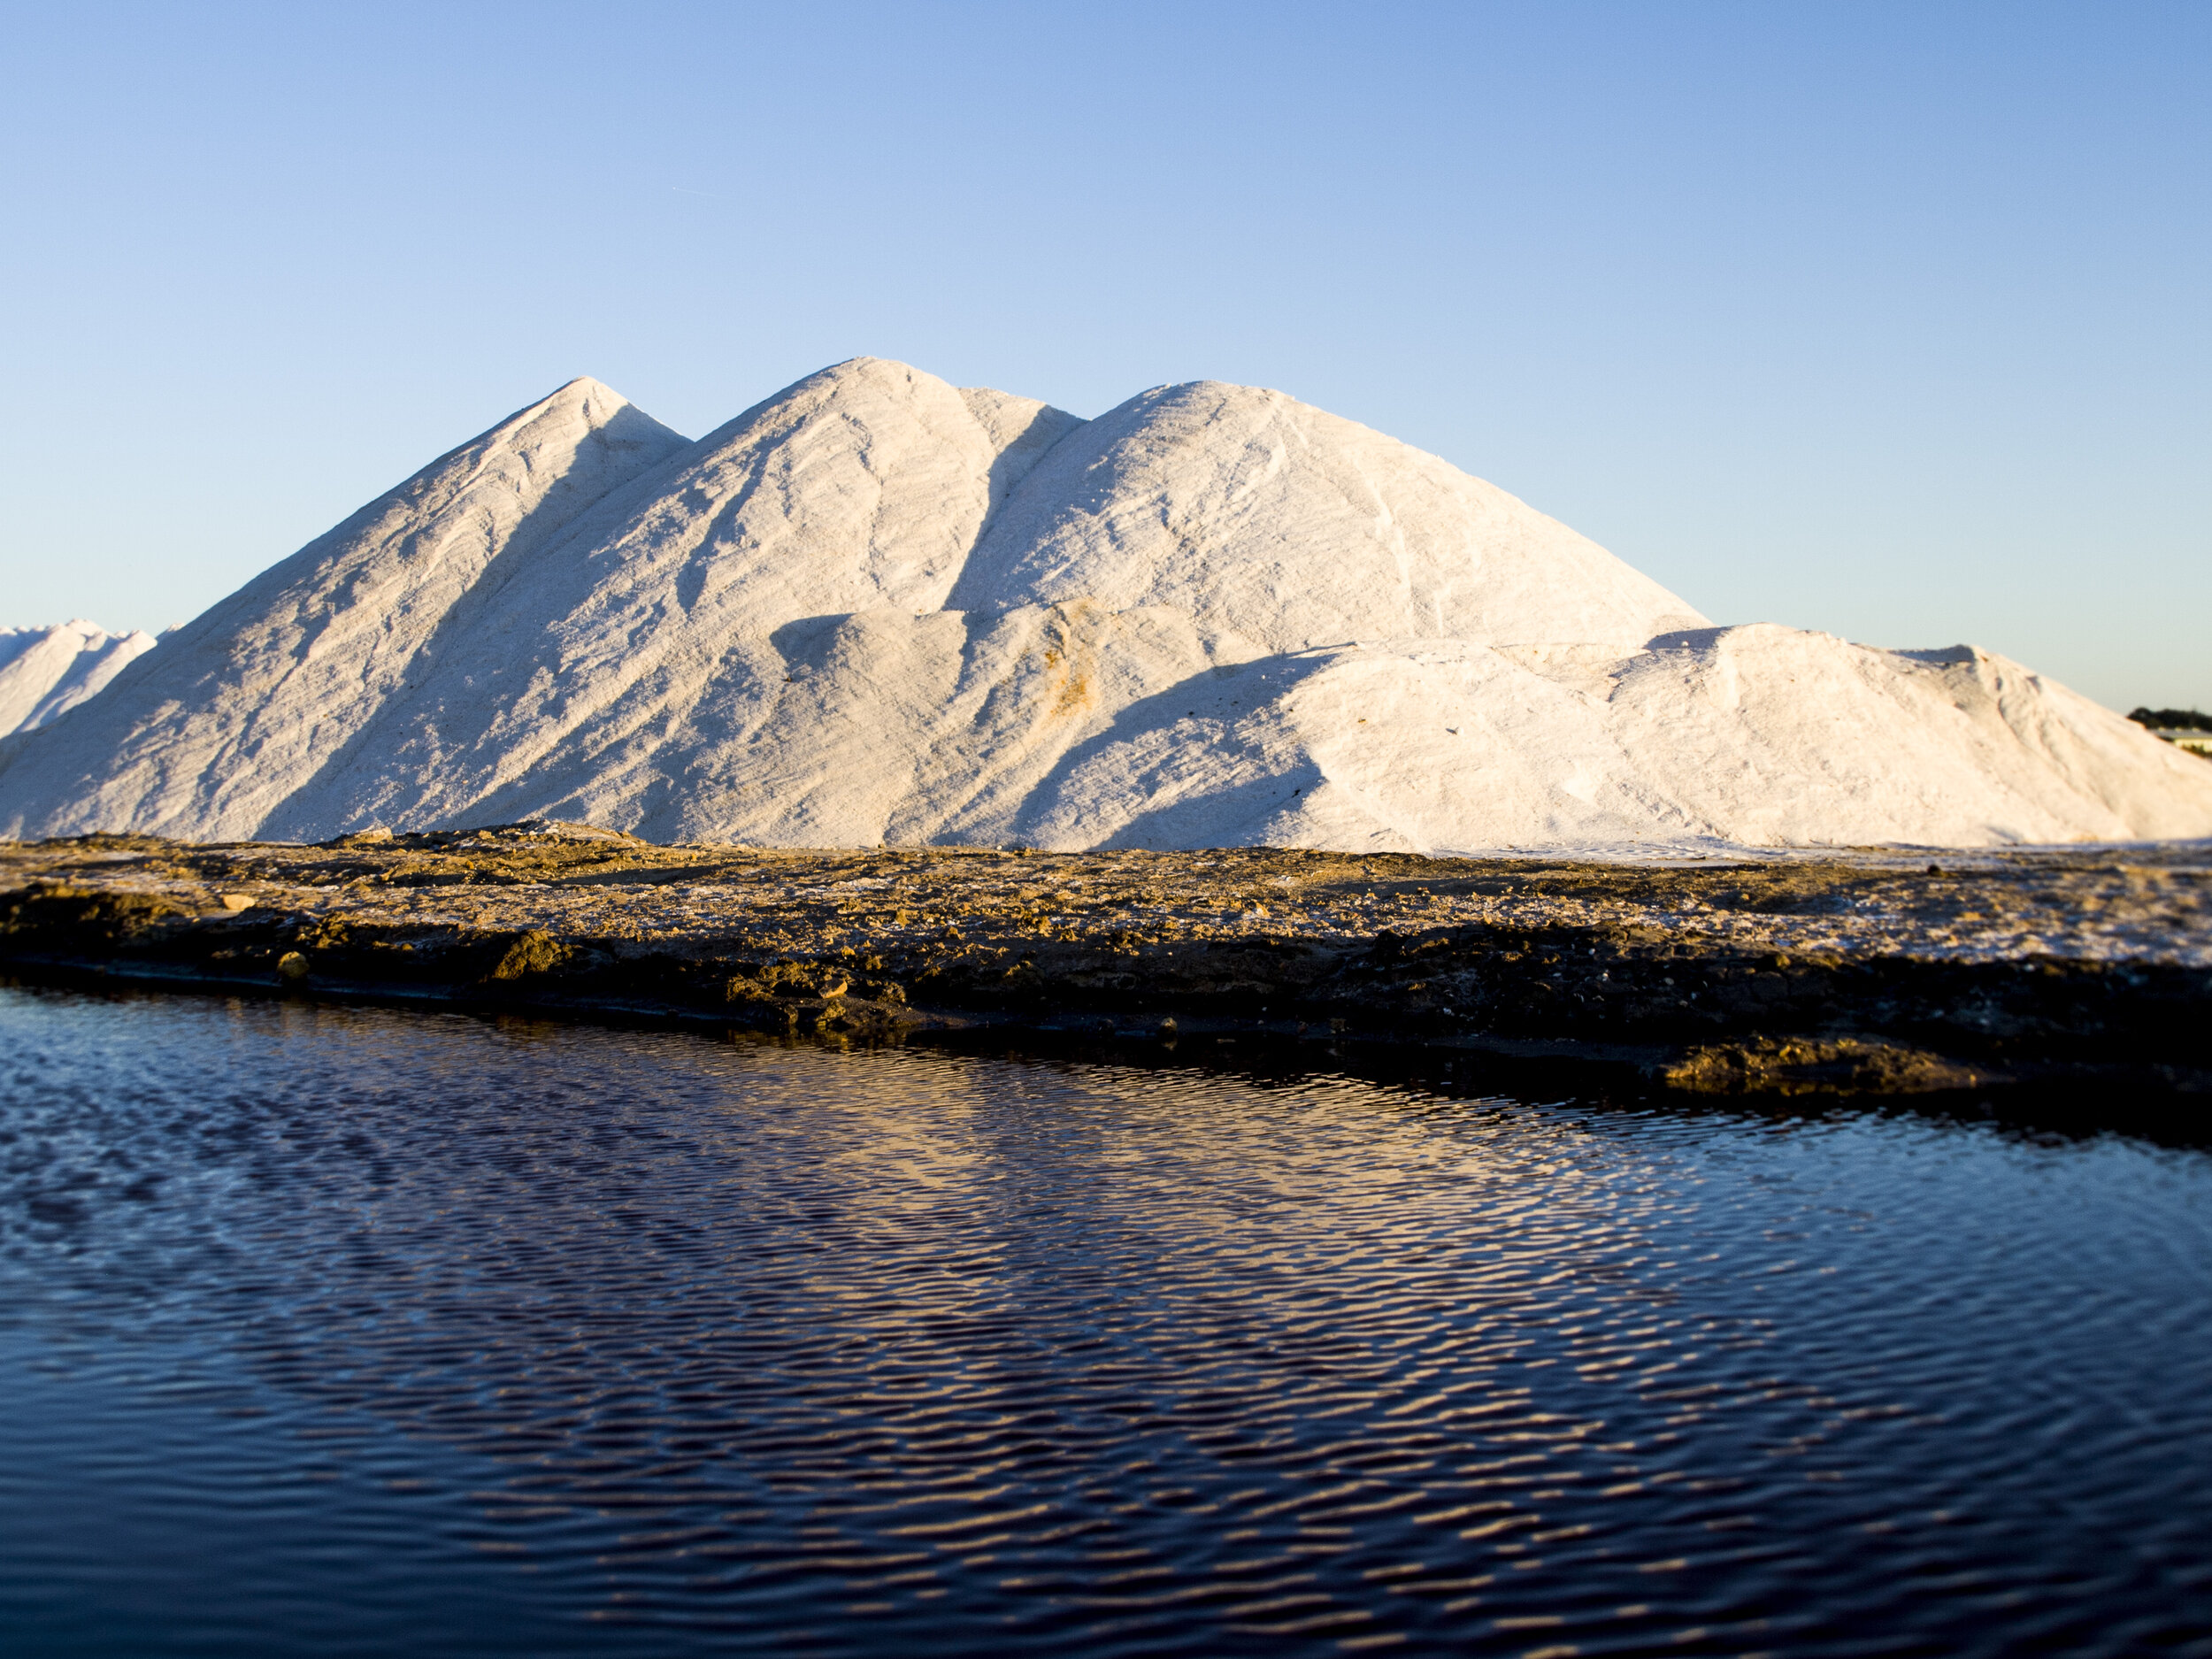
x=1887, y=319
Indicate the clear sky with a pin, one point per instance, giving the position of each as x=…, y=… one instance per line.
x=1889, y=319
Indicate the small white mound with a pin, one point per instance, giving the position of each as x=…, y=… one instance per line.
x=1757, y=735
x=44, y=672
x=878, y=607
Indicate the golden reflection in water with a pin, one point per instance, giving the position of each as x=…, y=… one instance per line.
x=1170, y=1358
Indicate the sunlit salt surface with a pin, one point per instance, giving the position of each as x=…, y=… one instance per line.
x=342, y=1331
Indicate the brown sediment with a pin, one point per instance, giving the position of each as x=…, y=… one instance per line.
x=1871, y=971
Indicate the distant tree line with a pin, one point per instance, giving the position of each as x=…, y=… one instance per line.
x=2172, y=719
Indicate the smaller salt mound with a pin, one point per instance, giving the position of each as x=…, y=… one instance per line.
x=1757, y=735
x=46, y=672
x=1801, y=737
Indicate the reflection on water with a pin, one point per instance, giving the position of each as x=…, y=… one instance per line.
x=332, y=1331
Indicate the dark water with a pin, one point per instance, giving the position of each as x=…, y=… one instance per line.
x=336, y=1332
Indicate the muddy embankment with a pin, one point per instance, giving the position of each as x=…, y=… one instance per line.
x=1868, y=972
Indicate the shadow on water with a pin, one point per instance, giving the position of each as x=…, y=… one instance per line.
x=333, y=1329
x=2140, y=1106
x=2137, y=1110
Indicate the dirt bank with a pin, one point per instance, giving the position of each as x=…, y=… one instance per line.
x=1871, y=971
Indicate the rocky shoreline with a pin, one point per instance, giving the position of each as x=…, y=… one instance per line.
x=1870, y=972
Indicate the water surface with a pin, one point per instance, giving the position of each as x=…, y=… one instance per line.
x=335, y=1331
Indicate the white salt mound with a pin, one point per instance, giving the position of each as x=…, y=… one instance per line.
x=46, y=672
x=878, y=607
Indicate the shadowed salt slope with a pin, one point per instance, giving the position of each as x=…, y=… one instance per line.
x=44, y=672
x=878, y=607
x=244, y=709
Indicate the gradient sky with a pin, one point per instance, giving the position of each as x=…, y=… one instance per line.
x=1887, y=319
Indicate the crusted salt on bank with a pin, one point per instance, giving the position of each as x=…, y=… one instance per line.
x=44, y=672
x=2110, y=904
x=877, y=608
x=1790, y=973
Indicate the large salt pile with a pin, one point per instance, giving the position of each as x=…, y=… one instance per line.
x=880, y=608
x=44, y=672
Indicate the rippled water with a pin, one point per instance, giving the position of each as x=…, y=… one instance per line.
x=329, y=1331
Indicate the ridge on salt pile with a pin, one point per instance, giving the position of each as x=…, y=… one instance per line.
x=44, y=672
x=877, y=607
